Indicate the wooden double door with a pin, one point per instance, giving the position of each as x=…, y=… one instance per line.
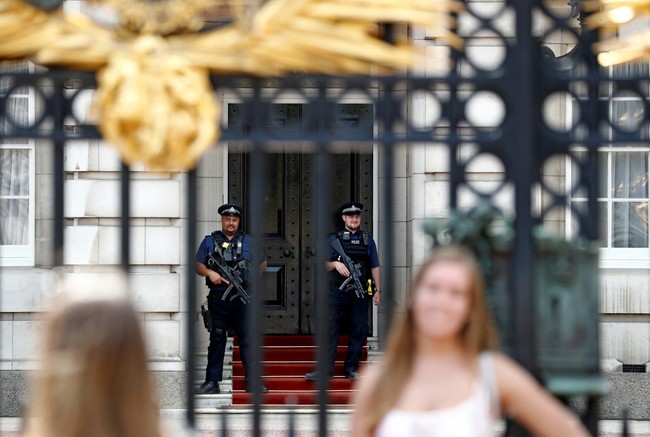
x=290, y=208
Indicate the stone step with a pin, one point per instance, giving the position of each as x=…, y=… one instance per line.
x=275, y=421
x=212, y=402
x=303, y=420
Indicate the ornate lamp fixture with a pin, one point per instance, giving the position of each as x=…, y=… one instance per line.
x=155, y=100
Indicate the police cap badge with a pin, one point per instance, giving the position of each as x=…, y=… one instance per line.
x=230, y=209
x=351, y=208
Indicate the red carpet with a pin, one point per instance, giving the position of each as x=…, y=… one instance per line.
x=286, y=360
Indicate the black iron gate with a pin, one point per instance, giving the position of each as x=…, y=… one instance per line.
x=527, y=76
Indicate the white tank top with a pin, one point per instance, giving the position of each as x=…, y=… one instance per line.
x=473, y=417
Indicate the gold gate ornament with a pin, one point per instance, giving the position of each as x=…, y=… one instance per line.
x=154, y=99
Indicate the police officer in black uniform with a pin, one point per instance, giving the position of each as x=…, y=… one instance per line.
x=346, y=306
x=236, y=250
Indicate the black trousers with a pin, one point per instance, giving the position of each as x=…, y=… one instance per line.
x=223, y=314
x=348, y=309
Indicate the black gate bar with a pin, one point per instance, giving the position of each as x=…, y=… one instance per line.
x=190, y=290
x=125, y=207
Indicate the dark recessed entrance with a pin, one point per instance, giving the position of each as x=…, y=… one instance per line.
x=289, y=209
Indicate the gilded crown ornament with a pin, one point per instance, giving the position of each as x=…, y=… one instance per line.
x=153, y=57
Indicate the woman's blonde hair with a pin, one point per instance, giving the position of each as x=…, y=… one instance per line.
x=477, y=336
x=94, y=379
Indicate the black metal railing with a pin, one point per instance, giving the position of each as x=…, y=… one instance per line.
x=521, y=141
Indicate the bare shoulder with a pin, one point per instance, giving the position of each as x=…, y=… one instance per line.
x=508, y=370
x=503, y=361
x=524, y=399
x=512, y=379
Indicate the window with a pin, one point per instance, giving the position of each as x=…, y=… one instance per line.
x=623, y=192
x=17, y=176
x=623, y=198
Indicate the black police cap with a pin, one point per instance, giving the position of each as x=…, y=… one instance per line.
x=351, y=208
x=230, y=209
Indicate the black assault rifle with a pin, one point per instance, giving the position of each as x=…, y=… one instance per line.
x=355, y=270
x=232, y=276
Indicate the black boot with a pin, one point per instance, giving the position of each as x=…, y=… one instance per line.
x=208, y=388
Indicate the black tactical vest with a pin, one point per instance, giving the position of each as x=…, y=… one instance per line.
x=358, y=251
x=232, y=251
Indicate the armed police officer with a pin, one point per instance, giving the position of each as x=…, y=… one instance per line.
x=355, y=279
x=224, y=259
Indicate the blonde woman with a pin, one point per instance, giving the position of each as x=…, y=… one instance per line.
x=440, y=374
x=94, y=379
